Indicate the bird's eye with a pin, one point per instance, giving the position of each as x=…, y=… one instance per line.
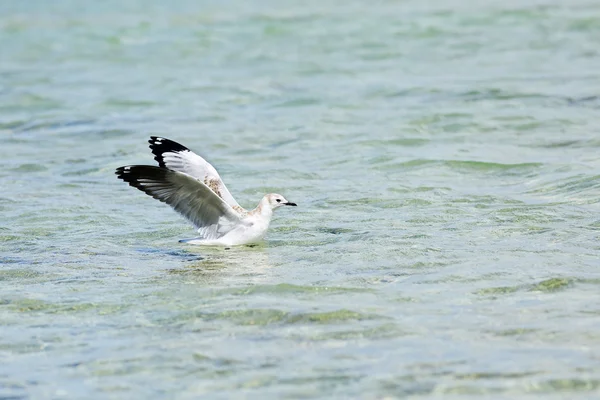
x=278, y=200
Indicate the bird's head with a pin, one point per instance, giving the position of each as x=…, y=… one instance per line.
x=275, y=200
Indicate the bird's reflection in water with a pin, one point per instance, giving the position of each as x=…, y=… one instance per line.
x=250, y=263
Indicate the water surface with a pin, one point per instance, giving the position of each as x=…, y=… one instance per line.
x=444, y=157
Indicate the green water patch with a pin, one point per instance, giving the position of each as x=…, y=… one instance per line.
x=564, y=385
x=299, y=102
x=419, y=31
x=202, y=358
x=378, y=202
x=384, y=331
x=484, y=199
x=528, y=214
x=309, y=243
x=400, y=142
x=498, y=290
x=410, y=165
x=546, y=286
x=590, y=281
x=585, y=24
x=293, y=290
x=76, y=161
x=29, y=168
x=465, y=166
x=8, y=238
x=128, y=103
x=30, y=102
x=552, y=285
x=330, y=317
x=414, y=202
x=319, y=378
x=498, y=94
x=263, y=317
x=432, y=118
x=260, y=317
x=514, y=332
x=68, y=186
x=575, y=185
x=557, y=144
x=471, y=390
x=25, y=347
x=419, y=189
x=496, y=375
x=116, y=367
x=335, y=231
x=18, y=274
x=28, y=306
x=114, y=133
x=13, y=125
x=489, y=166
x=82, y=172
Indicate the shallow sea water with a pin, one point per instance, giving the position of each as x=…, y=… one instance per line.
x=445, y=157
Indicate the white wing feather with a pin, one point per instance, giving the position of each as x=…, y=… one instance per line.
x=177, y=157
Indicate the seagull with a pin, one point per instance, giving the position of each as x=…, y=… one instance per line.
x=193, y=187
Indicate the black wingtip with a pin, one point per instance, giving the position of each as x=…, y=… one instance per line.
x=133, y=173
x=119, y=172
x=124, y=173
x=160, y=145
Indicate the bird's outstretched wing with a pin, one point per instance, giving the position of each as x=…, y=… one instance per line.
x=174, y=156
x=191, y=198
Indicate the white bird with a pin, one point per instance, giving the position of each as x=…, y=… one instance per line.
x=193, y=187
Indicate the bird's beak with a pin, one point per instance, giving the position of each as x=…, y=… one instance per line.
x=289, y=204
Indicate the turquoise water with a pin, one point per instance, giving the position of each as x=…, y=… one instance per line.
x=445, y=158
